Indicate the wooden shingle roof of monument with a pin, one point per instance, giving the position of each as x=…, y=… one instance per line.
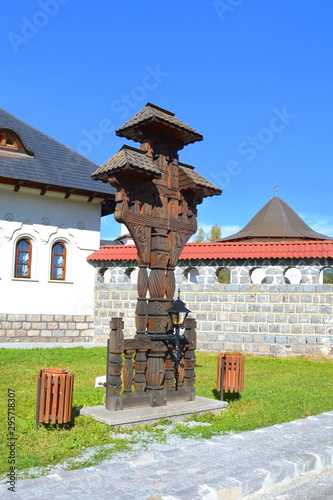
x=161, y=122
x=276, y=221
x=127, y=158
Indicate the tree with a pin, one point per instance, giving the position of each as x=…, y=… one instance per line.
x=214, y=235
x=201, y=236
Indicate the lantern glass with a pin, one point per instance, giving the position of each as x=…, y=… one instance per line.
x=178, y=313
x=178, y=318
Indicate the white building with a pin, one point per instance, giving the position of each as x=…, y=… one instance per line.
x=50, y=212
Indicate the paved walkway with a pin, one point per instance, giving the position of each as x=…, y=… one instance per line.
x=223, y=467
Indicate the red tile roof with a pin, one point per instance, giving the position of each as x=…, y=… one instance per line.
x=230, y=250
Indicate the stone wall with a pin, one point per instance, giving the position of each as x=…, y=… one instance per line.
x=263, y=319
x=204, y=272
x=46, y=328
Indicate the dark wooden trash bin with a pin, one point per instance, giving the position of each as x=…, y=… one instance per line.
x=54, y=396
x=230, y=372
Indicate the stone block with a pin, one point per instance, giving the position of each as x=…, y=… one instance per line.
x=248, y=317
x=45, y=333
x=266, y=308
x=274, y=328
x=262, y=298
x=296, y=330
x=304, y=319
x=202, y=297
x=21, y=317
x=313, y=309
x=230, y=327
x=325, y=309
x=254, y=308
x=281, y=318
x=34, y=333
x=260, y=318
x=280, y=339
x=275, y=298
x=229, y=307
x=47, y=317
x=250, y=298
x=311, y=340
x=222, y=317
x=39, y=326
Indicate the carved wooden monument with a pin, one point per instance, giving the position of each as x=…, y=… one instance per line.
x=156, y=199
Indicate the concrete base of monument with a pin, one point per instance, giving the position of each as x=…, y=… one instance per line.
x=175, y=412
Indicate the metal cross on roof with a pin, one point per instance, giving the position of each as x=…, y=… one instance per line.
x=276, y=187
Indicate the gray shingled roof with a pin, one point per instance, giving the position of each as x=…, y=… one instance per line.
x=52, y=163
x=152, y=113
x=127, y=156
x=276, y=220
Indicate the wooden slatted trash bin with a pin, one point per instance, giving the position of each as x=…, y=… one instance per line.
x=230, y=372
x=54, y=396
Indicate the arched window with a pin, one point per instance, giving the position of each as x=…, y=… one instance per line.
x=7, y=141
x=293, y=276
x=223, y=275
x=257, y=275
x=327, y=273
x=58, y=261
x=191, y=274
x=23, y=259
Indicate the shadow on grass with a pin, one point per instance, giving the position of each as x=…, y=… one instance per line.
x=227, y=396
x=61, y=427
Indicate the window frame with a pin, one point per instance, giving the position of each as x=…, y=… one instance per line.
x=64, y=266
x=17, y=263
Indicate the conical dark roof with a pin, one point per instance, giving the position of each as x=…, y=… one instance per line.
x=276, y=221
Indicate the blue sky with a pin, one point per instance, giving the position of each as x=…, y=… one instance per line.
x=253, y=76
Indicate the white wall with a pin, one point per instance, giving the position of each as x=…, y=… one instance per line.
x=46, y=219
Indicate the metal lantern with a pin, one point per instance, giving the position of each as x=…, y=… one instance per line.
x=178, y=314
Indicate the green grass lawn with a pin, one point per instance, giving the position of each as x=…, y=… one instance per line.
x=276, y=390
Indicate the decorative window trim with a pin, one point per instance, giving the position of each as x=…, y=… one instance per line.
x=21, y=264
x=63, y=266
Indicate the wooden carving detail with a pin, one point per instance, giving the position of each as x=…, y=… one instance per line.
x=156, y=199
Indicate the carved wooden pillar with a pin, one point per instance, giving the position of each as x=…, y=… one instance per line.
x=156, y=199
x=114, y=368
x=189, y=356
